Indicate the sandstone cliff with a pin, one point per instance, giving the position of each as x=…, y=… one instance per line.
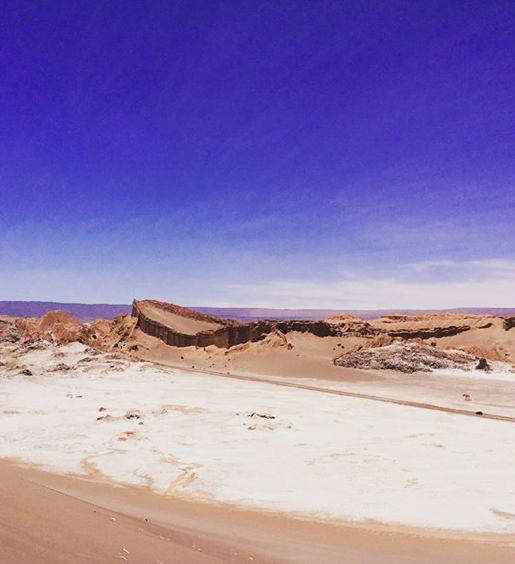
x=182, y=327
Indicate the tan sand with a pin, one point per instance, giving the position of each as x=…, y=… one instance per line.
x=49, y=519
x=181, y=320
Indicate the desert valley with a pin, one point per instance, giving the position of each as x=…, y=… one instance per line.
x=267, y=441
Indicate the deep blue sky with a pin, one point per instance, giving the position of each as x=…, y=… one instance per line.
x=296, y=154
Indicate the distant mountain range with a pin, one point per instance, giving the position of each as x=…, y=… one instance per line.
x=82, y=312
x=89, y=312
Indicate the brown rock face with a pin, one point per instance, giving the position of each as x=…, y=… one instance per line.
x=431, y=325
x=182, y=327
x=54, y=326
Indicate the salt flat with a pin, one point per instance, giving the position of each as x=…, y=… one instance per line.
x=255, y=444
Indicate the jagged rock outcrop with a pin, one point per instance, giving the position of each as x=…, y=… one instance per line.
x=55, y=327
x=9, y=333
x=108, y=335
x=182, y=327
x=60, y=328
x=509, y=323
x=407, y=357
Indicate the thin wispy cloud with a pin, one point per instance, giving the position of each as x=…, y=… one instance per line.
x=372, y=293
x=492, y=266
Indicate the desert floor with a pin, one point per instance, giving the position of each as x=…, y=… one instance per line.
x=278, y=471
x=55, y=519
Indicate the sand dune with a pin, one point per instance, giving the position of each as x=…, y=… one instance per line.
x=100, y=523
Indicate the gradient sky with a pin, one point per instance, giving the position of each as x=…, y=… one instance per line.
x=280, y=154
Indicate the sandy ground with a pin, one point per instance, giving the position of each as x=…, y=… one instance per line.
x=178, y=322
x=50, y=519
x=256, y=444
x=310, y=362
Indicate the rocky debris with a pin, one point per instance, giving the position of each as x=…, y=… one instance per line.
x=102, y=409
x=26, y=372
x=132, y=414
x=105, y=418
x=264, y=422
x=483, y=365
x=62, y=367
x=86, y=360
x=261, y=415
x=466, y=397
x=113, y=356
x=36, y=345
x=9, y=333
x=405, y=357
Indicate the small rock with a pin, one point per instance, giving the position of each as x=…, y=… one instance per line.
x=483, y=365
x=26, y=372
x=85, y=360
x=105, y=418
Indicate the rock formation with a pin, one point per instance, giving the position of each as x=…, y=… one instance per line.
x=182, y=327
x=509, y=323
x=431, y=325
x=407, y=357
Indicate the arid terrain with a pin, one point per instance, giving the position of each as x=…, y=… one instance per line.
x=171, y=435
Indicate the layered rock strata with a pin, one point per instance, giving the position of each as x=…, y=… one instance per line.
x=166, y=322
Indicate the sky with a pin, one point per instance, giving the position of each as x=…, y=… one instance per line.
x=347, y=155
